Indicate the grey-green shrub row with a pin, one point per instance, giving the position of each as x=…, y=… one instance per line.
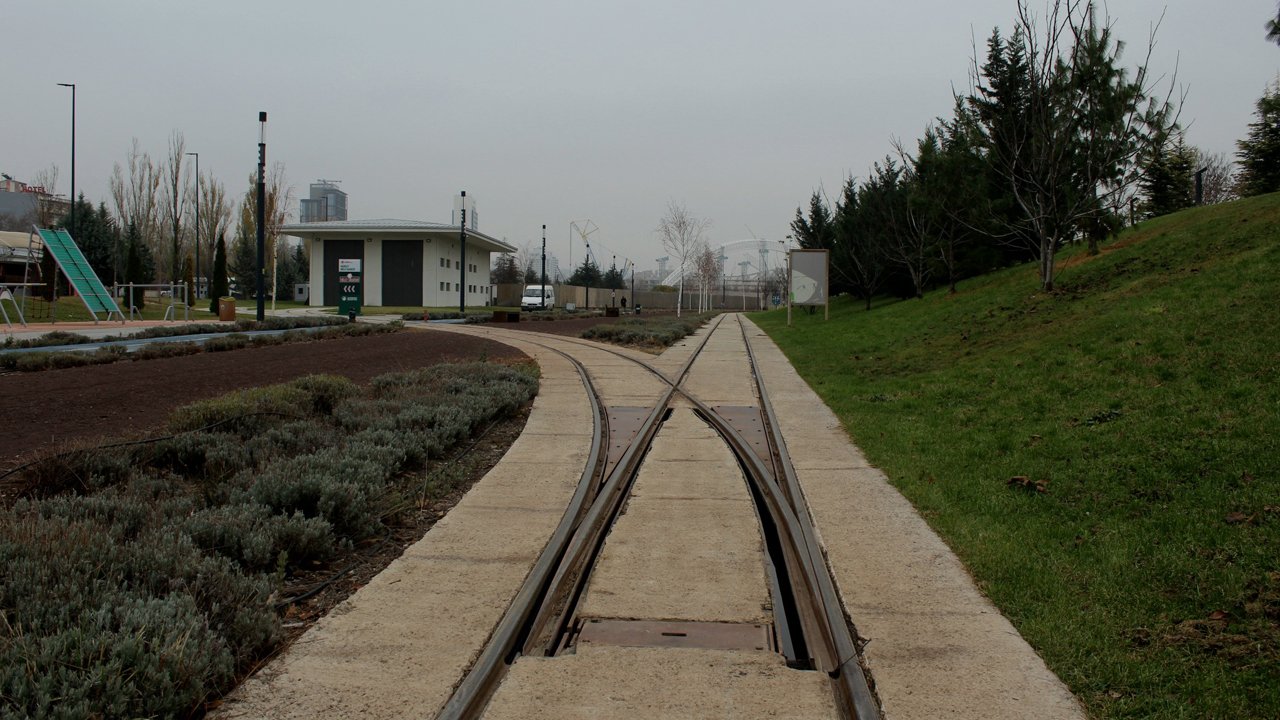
x=471, y=317
x=37, y=361
x=661, y=331
x=143, y=579
x=59, y=337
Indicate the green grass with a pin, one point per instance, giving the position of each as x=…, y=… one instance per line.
x=1144, y=394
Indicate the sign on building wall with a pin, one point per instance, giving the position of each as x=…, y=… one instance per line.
x=349, y=276
x=807, y=282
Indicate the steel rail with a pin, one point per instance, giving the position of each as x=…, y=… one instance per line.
x=569, y=547
x=553, y=619
x=487, y=671
x=823, y=622
x=853, y=690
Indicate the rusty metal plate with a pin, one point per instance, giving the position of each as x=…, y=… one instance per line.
x=624, y=424
x=677, y=634
x=746, y=419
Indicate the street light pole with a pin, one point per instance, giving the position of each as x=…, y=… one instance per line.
x=262, y=215
x=73, y=151
x=544, y=267
x=197, y=288
x=462, y=259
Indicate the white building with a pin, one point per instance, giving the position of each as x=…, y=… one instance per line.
x=407, y=263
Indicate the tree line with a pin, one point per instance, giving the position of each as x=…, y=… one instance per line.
x=148, y=235
x=1057, y=142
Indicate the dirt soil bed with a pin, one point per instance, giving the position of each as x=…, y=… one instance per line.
x=80, y=404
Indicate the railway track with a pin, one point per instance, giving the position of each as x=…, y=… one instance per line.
x=807, y=625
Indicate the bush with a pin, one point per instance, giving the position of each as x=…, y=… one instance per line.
x=651, y=332
x=97, y=628
x=246, y=412
x=330, y=485
x=258, y=540
x=147, y=585
x=164, y=350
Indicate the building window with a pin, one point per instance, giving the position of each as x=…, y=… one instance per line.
x=441, y=262
x=442, y=286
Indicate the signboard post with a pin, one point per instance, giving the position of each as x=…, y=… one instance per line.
x=349, y=275
x=807, y=280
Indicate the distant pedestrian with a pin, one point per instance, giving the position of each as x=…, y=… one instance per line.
x=624, y=304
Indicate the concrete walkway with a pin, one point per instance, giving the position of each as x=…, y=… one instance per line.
x=936, y=647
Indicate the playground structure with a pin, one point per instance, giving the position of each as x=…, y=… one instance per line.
x=85, y=284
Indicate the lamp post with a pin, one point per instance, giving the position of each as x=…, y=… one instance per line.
x=462, y=258
x=544, y=267
x=197, y=288
x=73, y=150
x=262, y=215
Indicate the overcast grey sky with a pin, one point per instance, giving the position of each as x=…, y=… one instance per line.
x=552, y=111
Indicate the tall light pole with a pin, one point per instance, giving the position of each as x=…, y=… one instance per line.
x=197, y=288
x=73, y=150
x=262, y=215
x=544, y=267
x=462, y=258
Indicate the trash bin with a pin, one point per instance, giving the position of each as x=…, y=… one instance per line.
x=227, y=309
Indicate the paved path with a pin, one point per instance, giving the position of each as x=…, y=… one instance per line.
x=936, y=648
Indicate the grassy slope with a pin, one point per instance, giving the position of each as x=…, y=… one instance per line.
x=1145, y=393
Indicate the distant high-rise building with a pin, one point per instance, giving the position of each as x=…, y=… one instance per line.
x=326, y=203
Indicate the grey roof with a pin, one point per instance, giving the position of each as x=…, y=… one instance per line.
x=391, y=226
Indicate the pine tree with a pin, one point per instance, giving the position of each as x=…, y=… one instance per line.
x=1259, y=153
x=218, y=283
x=1168, y=180
x=189, y=278
x=505, y=270
x=587, y=274
x=243, y=262
x=135, y=266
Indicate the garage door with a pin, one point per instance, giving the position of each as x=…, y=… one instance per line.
x=335, y=250
x=402, y=273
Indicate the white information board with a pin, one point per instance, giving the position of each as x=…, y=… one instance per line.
x=807, y=279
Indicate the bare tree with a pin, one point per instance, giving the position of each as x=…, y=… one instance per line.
x=1081, y=127
x=1219, y=177
x=136, y=197
x=47, y=179
x=527, y=260
x=176, y=195
x=707, y=264
x=682, y=235
x=279, y=198
x=215, y=213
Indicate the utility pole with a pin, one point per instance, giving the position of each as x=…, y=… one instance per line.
x=262, y=216
x=544, y=267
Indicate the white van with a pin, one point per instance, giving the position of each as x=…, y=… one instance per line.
x=535, y=295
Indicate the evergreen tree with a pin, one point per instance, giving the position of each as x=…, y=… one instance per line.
x=218, y=281
x=96, y=234
x=137, y=260
x=613, y=279
x=505, y=270
x=530, y=275
x=1259, y=153
x=301, y=263
x=188, y=278
x=587, y=274
x=1063, y=136
x=243, y=263
x=1168, y=180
